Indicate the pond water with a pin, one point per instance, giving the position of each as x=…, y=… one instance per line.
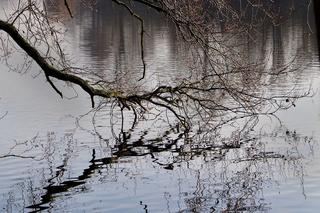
x=67, y=167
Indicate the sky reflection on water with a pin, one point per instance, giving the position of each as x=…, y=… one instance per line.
x=276, y=169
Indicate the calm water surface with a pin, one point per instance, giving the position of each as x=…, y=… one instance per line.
x=66, y=175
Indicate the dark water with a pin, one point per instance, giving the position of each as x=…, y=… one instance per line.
x=76, y=170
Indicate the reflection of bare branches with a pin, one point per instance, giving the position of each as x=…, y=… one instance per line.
x=3, y=115
x=16, y=156
x=31, y=144
x=243, y=174
x=221, y=92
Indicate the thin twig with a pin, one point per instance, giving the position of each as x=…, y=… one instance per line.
x=141, y=33
x=68, y=8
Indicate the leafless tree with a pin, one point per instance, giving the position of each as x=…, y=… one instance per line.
x=224, y=87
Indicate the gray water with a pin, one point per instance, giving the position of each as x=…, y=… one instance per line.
x=60, y=172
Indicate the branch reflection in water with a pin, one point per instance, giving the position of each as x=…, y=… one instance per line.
x=208, y=178
x=199, y=171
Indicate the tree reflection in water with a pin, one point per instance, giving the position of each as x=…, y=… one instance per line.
x=222, y=177
x=224, y=174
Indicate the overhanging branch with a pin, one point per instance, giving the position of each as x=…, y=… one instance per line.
x=51, y=71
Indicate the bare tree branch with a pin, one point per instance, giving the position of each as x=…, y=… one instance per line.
x=224, y=86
